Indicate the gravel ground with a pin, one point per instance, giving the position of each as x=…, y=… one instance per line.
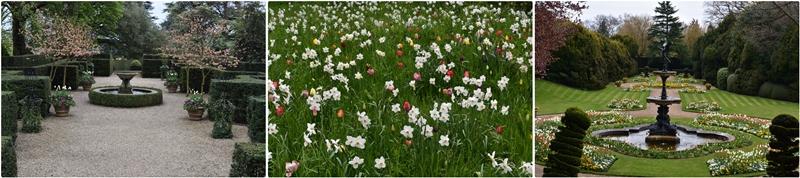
x=100, y=141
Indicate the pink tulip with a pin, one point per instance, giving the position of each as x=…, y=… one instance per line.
x=370, y=71
x=466, y=73
x=305, y=93
x=417, y=77
x=391, y=88
x=271, y=97
x=291, y=167
x=448, y=91
x=407, y=106
x=399, y=53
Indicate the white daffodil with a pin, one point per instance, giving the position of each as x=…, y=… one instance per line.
x=310, y=129
x=380, y=163
x=306, y=140
x=427, y=131
x=504, y=110
x=273, y=129
x=356, y=161
x=444, y=140
x=505, y=166
x=396, y=108
x=407, y=131
x=358, y=75
x=491, y=157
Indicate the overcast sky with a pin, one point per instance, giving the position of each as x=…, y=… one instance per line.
x=687, y=10
x=158, y=8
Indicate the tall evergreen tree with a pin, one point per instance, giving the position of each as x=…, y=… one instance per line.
x=666, y=27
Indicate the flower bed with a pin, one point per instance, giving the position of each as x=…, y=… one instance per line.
x=704, y=105
x=609, y=117
x=755, y=126
x=658, y=84
x=691, y=90
x=594, y=158
x=625, y=103
x=636, y=88
x=730, y=162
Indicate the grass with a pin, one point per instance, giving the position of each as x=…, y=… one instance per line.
x=472, y=133
x=732, y=103
x=552, y=98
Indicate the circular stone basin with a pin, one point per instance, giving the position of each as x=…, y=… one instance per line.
x=689, y=138
x=109, y=96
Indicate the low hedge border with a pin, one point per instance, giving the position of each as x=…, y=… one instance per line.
x=257, y=119
x=125, y=100
x=249, y=160
x=741, y=140
x=250, y=66
x=10, y=114
x=151, y=68
x=19, y=85
x=9, y=158
x=24, y=61
x=238, y=90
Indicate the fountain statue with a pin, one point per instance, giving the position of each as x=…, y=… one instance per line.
x=662, y=130
x=126, y=77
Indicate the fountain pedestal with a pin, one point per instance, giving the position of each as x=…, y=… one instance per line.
x=125, y=87
x=662, y=130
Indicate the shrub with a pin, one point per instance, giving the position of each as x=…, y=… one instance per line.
x=249, y=160
x=103, y=67
x=20, y=84
x=9, y=158
x=630, y=43
x=722, y=78
x=249, y=66
x=222, y=125
x=568, y=144
x=257, y=119
x=782, y=158
x=31, y=120
x=238, y=90
x=748, y=82
x=10, y=114
x=151, y=68
x=135, y=65
x=23, y=61
x=776, y=91
x=115, y=100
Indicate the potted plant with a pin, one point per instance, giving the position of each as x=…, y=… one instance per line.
x=62, y=100
x=194, y=105
x=624, y=79
x=708, y=86
x=172, y=82
x=619, y=83
x=536, y=112
x=87, y=79
x=704, y=81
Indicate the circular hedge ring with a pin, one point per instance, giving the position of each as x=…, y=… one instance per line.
x=147, y=96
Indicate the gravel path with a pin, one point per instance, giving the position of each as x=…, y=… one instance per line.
x=100, y=141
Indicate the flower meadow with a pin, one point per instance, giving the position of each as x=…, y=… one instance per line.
x=399, y=89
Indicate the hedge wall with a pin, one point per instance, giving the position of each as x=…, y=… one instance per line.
x=10, y=158
x=23, y=61
x=195, y=78
x=10, y=114
x=747, y=82
x=72, y=74
x=151, y=68
x=122, y=64
x=238, y=90
x=257, y=119
x=116, y=100
x=19, y=84
x=777, y=91
x=249, y=160
x=250, y=66
x=103, y=56
x=103, y=67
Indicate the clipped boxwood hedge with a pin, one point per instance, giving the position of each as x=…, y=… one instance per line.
x=9, y=158
x=238, y=90
x=19, y=85
x=103, y=67
x=250, y=66
x=195, y=78
x=23, y=61
x=125, y=100
x=72, y=72
x=151, y=68
x=722, y=78
x=10, y=114
x=249, y=160
x=257, y=119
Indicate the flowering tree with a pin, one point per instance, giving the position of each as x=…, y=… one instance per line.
x=195, y=46
x=61, y=39
x=551, y=32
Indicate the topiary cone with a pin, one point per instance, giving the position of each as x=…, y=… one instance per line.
x=781, y=160
x=568, y=145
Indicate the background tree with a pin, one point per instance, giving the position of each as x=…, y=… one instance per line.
x=782, y=158
x=636, y=26
x=251, y=41
x=605, y=25
x=666, y=27
x=692, y=32
x=567, y=145
x=552, y=29
x=717, y=10
x=629, y=42
x=62, y=39
x=136, y=34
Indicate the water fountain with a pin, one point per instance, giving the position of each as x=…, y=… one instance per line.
x=662, y=134
x=125, y=95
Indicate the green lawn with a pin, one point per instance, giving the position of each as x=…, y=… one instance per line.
x=742, y=104
x=552, y=98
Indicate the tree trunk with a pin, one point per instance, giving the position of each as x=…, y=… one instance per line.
x=17, y=25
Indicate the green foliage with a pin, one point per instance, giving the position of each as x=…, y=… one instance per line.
x=151, y=68
x=194, y=102
x=135, y=65
x=722, y=78
x=782, y=159
x=61, y=98
x=40, y=86
x=237, y=90
x=172, y=79
x=10, y=114
x=748, y=82
x=7, y=48
x=257, y=119
x=784, y=62
x=103, y=67
x=777, y=91
x=115, y=100
x=249, y=160
x=31, y=120
x=9, y=158
x=250, y=66
x=251, y=41
x=23, y=60
x=137, y=33
x=629, y=42
x=568, y=144
x=222, y=125
x=590, y=61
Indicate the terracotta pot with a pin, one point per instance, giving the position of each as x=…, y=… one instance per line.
x=619, y=85
x=708, y=87
x=196, y=115
x=87, y=87
x=61, y=111
x=172, y=88
x=624, y=80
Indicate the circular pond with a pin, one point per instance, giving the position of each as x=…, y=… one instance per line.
x=689, y=138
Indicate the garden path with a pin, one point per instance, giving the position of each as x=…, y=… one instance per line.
x=100, y=141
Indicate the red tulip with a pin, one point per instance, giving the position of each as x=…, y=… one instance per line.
x=466, y=73
x=417, y=77
x=407, y=106
x=271, y=97
x=499, y=32
x=399, y=53
x=289, y=62
x=275, y=84
x=340, y=114
x=417, y=30
x=280, y=111
x=416, y=13
x=450, y=73
x=400, y=65
x=499, y=129
x=342, y=44
x=408, y=142
x=499, y=51
x=370, y=71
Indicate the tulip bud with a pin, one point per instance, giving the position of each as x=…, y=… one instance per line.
x=499, y=129
x=313, y=92
x=340, y=114
x=279, y=111
x=408, y=142
x=407, y=106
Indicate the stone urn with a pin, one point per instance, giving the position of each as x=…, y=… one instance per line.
x=61, y=111
x=87, y=86
x=196, y=115
x=172, y=88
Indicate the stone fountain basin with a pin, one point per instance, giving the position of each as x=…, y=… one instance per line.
x=689, y=137
x=109, y=96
